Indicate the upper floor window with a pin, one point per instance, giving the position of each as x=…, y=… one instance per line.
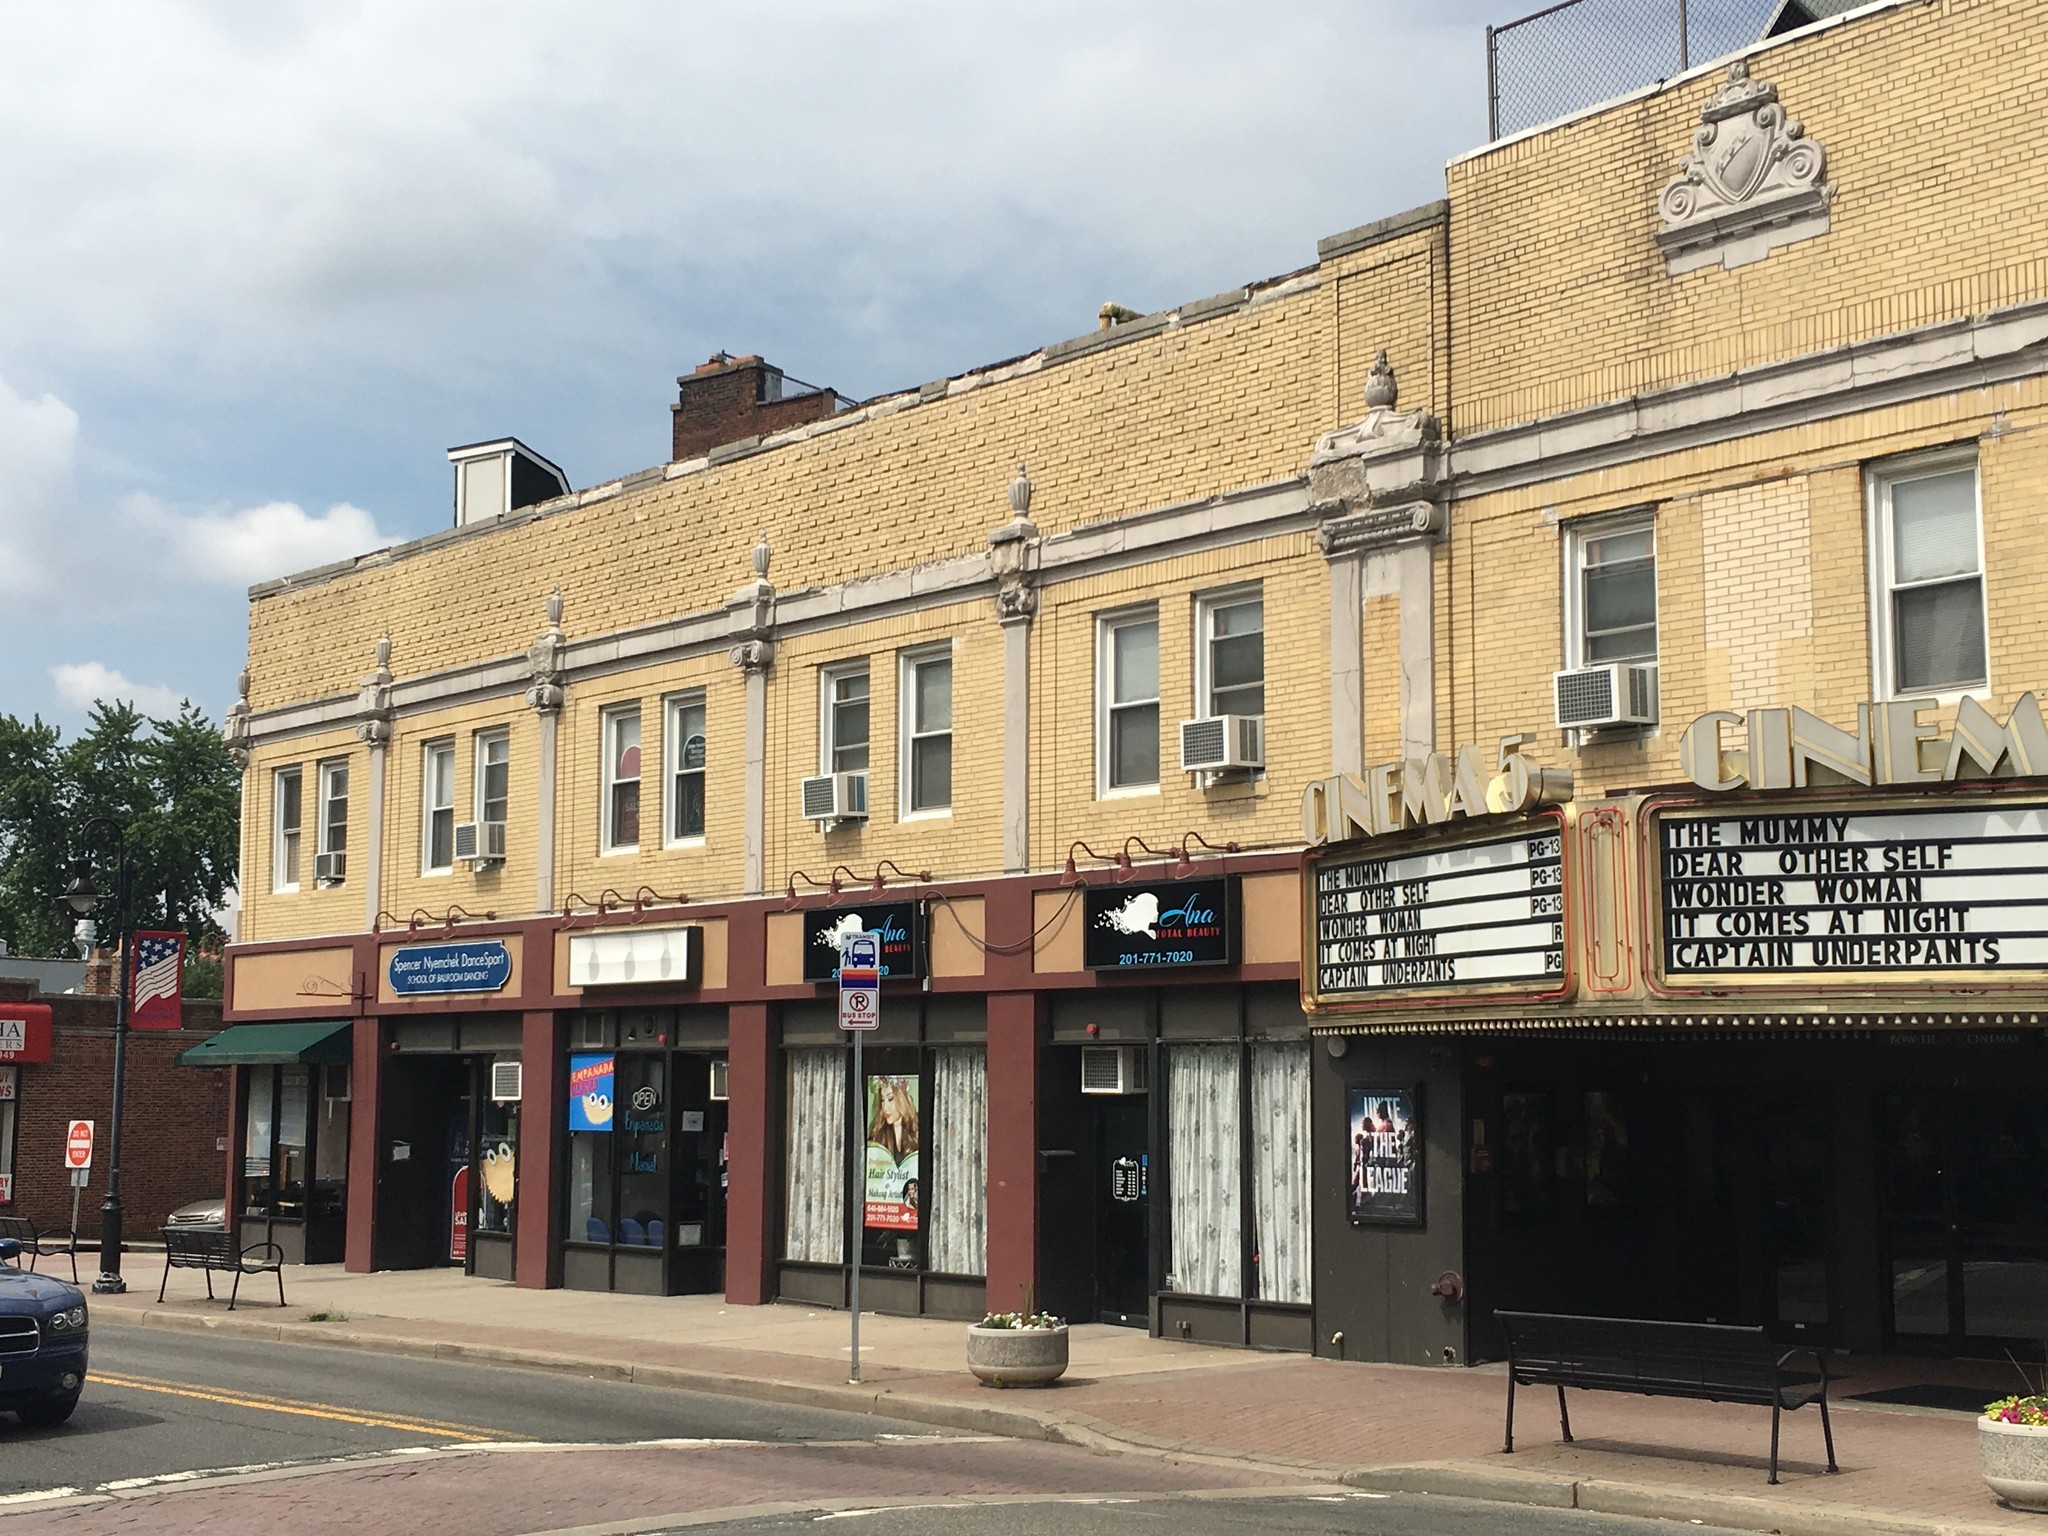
x=844, y=694
x=286, y=798
x=334, y=809
x=1928, y=576
x=927, y=748
x=1611, y=591
x=437, y=806
x=622, y=778
x=684, y=754
x=1230, y=659
x=493, y=775
x=1127, y=700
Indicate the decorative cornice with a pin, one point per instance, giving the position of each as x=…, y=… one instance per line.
x=546, y=660
x=373, y=699
x=1380, y=528
x=1012, y=555
x=752, y=657
x=235, y=729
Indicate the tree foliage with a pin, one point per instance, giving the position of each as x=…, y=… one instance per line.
x=168, y=785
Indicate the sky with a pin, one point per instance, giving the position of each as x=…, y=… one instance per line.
x=263, y=262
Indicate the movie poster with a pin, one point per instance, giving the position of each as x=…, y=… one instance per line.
x=1386, y=1156
x=892, y=1145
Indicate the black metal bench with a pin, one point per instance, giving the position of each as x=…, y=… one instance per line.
x=1708, y=1361
x=213, y=1250
x=57, y=1243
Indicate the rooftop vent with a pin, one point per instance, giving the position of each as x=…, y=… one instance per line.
x=494, y=478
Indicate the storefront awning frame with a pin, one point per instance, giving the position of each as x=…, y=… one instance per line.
x=314, y=1042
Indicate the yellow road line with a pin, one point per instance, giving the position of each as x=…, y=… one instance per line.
x=441, y=1428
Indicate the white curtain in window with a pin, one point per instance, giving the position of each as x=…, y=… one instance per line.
x=1203, y=1138
x=959, y=1204
x=814, y=1204
x=1280, y=1168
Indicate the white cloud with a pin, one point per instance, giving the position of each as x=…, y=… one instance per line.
x=84, y=683
x=256, y=543
x=38, y=439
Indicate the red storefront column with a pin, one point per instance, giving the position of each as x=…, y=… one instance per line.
x=231, y=1158
x=365, y=1142
x=1015, y=1027
x=749, y=1211
x=536, y=1263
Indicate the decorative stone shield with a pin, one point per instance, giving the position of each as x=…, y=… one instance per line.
x=1752, y=183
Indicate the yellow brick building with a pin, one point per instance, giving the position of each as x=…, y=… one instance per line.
x=1723, y=397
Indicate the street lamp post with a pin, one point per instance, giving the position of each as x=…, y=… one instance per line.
x=81, y=897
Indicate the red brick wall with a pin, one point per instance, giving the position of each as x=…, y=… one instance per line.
x=171, y=1127
x=721, y=403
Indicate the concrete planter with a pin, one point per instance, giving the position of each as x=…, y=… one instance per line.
x=1017, y=1357
x=2015, y=1461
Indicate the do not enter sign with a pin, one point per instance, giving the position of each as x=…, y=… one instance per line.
x=78, y=1145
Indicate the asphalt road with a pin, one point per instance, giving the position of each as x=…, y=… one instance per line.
x=159, y=1402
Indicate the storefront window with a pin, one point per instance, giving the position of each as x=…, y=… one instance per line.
x=959, y=1161
x=642, y=1114
x=1204, y=1135
x=257, y=1126
x=292, y=1114
x=498, y=1128
x=814, y=1202
x=1280, y=1168
x=589, y=1204
x=330, y=1145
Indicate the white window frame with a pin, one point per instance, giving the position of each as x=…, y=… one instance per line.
x=672, y=769
x=1106, y=626
x=279, y=885
x=433, y=753
x=907, y=733
x=609, y=720
x=328, y=770
x=480, y=765
x=1878, y=479
x=1207, y=605
x=1577, y=535
x=828, y=746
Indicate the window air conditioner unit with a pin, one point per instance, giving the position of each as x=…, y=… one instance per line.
x=480, y=842
x=1222, y=742
x=337, y=1084
x=329, y=868
x=1593, y=698
x=721, y=1082
x=1112, y=1069
x=836, y=797
x=507, y=1079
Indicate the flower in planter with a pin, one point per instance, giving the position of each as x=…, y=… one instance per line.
x=2031, y=1410
x=1023, y=1320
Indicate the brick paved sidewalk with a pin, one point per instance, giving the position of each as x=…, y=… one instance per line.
x=1902, y=1469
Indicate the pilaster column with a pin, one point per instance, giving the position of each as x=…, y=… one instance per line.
x=373, y=726
x=1013, y=558
x=545, y=659
x=753, y=608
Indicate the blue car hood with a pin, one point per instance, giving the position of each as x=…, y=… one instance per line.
x=21, y=1292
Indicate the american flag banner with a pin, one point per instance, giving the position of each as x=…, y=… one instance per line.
x=158, y=1001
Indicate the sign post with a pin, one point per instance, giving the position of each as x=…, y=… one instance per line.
x=78, y=1161
x=860, y=1010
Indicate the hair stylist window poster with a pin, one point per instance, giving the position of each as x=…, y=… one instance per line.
x=1386, y=1156
x=891, y=1182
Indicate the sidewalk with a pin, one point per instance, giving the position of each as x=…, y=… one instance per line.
x=1421, y=1429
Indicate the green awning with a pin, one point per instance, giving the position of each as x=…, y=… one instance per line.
x=320, y=1042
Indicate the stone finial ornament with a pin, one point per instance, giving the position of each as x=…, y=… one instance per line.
x=1382, y=393
x=1753, y=182
x=546, y=660
x=235, y=729
x=763, y=553
x=1011, y=554
x=373, y=700
x=756, y=604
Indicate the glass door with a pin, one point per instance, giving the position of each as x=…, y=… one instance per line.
x=1967, y=1220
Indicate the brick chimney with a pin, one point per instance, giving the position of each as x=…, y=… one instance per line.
x=730, y=398
x=100, y=973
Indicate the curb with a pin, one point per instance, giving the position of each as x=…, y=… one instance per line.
x=1446, y=1479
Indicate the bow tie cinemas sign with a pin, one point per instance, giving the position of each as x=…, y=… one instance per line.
x=1179, y=922
x=899, y=923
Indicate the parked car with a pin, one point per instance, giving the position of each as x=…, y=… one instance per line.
x=42, y=1342
x=200, y=1213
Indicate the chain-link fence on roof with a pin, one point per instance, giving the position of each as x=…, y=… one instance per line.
x=1572, y=55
